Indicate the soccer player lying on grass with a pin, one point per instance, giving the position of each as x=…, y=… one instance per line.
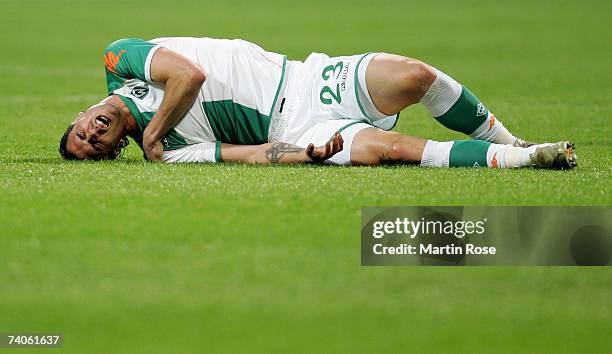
x=211, y=100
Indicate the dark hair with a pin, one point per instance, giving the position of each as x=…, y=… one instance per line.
x=67, y=155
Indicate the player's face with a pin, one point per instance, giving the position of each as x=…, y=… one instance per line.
x=96, y=132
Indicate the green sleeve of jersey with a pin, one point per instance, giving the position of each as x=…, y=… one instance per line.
x=126, y=59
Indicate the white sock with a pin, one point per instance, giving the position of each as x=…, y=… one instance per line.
x=518, y=157
x=493, y=130
x=442, y=94
x=436, y=154
x=507, y=156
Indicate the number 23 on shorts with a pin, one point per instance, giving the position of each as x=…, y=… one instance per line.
x=328, y=95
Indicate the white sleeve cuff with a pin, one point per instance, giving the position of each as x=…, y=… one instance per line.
x=202, y=152
x=147, y=66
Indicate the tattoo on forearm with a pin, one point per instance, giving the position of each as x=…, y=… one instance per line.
x=278, y=150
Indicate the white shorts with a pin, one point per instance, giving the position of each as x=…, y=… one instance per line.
x=322, y=132
x=325, y=95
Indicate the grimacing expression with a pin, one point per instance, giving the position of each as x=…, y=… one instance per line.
x=96, y=132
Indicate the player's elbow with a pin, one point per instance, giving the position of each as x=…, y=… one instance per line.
x=191, y=77
x=196, y=75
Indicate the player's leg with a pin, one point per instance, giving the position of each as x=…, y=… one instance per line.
x=395, y=82
x=373, y=146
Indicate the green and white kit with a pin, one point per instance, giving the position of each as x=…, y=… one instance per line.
x=250, y=96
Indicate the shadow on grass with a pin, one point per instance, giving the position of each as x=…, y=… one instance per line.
x=60, y=161
x=56, y=161
x=136, y=162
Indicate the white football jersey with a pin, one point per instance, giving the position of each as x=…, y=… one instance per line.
x=235, y=104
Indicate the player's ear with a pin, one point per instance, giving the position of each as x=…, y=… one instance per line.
x=124, y=142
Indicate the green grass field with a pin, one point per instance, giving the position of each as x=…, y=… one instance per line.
x=132, y=257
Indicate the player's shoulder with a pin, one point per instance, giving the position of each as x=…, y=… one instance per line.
x=126, y=43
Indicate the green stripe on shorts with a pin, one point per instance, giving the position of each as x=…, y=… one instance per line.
x=357, y=88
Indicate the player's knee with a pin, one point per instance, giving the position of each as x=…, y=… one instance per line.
x=416, y=77
x=397, y=151
x=374, y=147
x=391, y=151
x=401, y=148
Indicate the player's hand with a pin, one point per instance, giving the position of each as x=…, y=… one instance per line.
x=322, y=153
x=153, y=148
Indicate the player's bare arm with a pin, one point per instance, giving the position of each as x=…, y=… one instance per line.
x=281, y=153
x=183, y=79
